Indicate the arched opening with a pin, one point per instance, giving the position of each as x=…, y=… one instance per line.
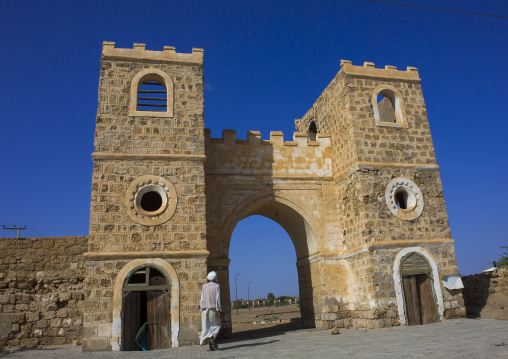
x=312, y=131
x=299, y=224
x=152, y=94
x=419, y=296
x=146, y=317
x=386, y=108
x=262, y=253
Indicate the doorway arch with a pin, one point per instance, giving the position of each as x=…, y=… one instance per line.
x=299, y=222
x=118, y=290
x=301, y=225
x=263, y=255
x=433, y=274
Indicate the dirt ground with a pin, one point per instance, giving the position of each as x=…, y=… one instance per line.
x=496, y=307
x=263, y=320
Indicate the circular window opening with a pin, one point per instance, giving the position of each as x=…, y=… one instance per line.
x=151, y=201
x=401, y=199
x=404, y=199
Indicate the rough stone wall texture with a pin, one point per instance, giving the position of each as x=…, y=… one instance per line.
x=117, y=132
x=98, y=316
x=111, y=228
x=41, y=290
x=274, y=157
x=478, y=288
x=330, y=115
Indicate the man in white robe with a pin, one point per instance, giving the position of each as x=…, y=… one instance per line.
x=211, y=312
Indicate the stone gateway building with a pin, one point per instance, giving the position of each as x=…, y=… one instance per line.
x=358, y=191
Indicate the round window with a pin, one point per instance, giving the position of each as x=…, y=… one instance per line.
x=404, y=198
x=151, y=200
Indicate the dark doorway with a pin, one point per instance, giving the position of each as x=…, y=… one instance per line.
x=146, y=320
x=419, y=298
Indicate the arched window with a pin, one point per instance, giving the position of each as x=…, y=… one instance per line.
x=312, y=131
x=388, y=106
x=151, y=94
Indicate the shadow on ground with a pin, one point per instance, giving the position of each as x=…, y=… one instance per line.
x=279, y=329
x=245, y=345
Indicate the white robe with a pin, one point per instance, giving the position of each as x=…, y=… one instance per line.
x=210, y=320
x=210, y=326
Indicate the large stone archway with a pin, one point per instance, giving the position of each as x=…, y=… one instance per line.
x=301, y=226
x=297, y=220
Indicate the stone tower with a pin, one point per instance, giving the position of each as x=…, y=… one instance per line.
x=388, y=198
x=147, y=216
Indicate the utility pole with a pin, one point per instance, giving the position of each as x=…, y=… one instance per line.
x=16, y=229
x=236, y=290
x=248, y=294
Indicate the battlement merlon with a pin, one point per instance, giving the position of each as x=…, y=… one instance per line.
x=389, y=72
x=276, y=139
x=139, y=53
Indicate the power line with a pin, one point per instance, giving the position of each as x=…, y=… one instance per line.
x=436, y=8
x=28, y=229
x=33, y=230
x=31, y=233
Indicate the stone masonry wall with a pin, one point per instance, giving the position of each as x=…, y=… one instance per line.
x=329, y=113
x=117, y=132
x=391, y=144
x=41, y=290
x=479, y=287
x=98, y=317
x=274, y=157
x=111, y=228
x=368, y=218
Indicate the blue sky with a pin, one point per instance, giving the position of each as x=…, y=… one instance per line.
x=266, y=62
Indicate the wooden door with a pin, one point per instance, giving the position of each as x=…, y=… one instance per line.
x=419, y=299
x=131, y=320
x=426, y=297
x=411, y=299
x=159, y=320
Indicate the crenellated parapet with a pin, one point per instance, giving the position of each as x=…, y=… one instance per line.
x=276, y=139
x=140, y=53
x=389, y=72
x=273, y=157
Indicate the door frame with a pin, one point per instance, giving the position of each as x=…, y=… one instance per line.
x=436, y=283
x=128, y=269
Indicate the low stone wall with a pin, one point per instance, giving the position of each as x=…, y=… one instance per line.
x=41, y=290
x=479, y=287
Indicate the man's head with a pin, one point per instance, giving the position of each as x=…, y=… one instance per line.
x=212, y=276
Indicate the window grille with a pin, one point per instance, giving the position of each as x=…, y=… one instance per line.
x=152, y=96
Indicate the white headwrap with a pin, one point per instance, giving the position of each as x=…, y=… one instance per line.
x=212, y=276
